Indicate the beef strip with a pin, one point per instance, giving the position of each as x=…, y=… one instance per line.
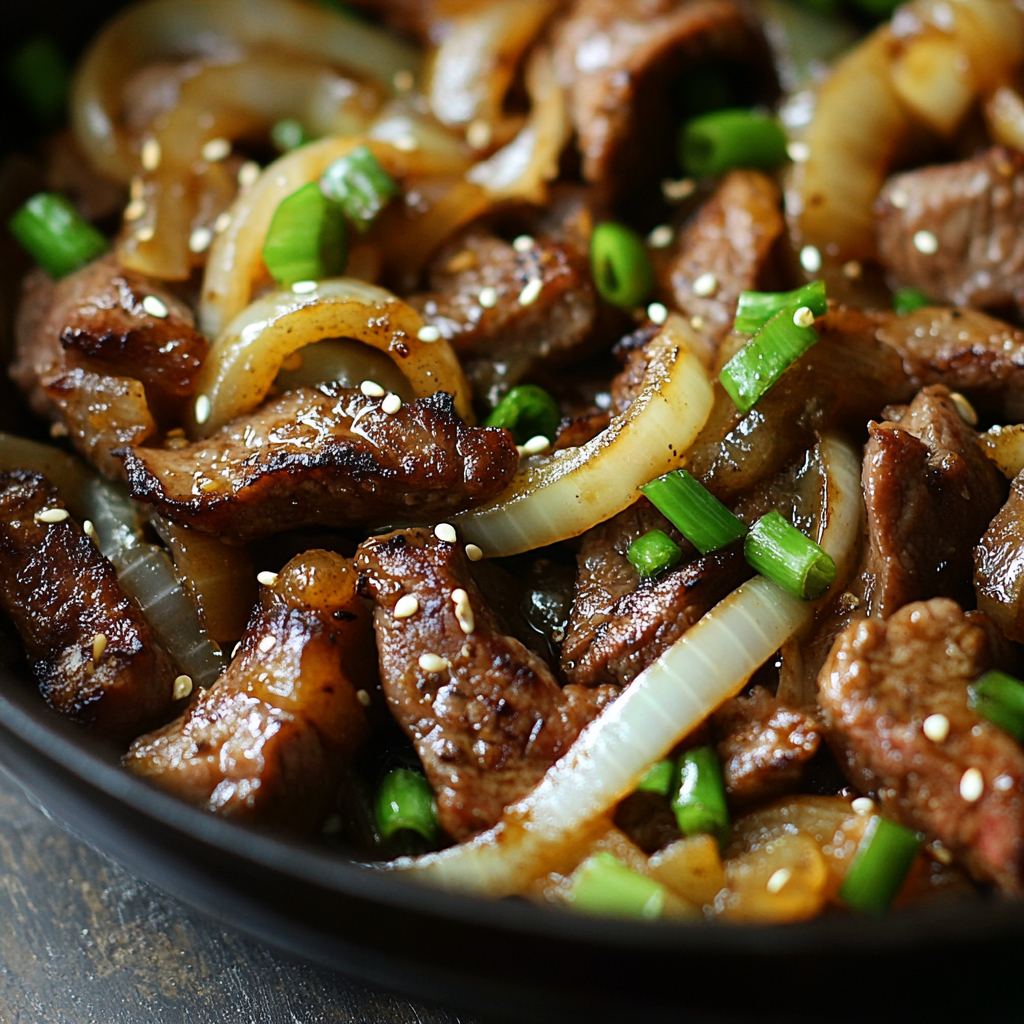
x=621, y=623
x=975, y=212
x=930, y=492
x=730, y=237
x=268, y=742
x=618, y=59
x=882, y=680
x=62, y=594
x=304, y=460
x=487, y=718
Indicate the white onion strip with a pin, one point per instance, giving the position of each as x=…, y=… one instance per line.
x=709, y=664
x=557, y=497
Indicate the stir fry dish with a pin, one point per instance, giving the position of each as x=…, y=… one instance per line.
x=559, y=449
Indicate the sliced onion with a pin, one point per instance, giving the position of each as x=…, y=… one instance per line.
x=1005, y=447
x=706, y=666
x=68, y=474
x=557, y=497
x=243, y=363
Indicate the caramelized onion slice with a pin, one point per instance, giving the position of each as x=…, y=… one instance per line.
x=244, y=361
x=556, y=497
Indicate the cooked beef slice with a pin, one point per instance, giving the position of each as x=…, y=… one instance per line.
x=268, y=742
x=61, y=595
x=974, y=211
x=485, y=714
x=930, y=492
x=326, y=456
x=999, y=566
x=882, y=680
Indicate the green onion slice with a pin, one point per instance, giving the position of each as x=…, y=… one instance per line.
x=362, y=187
x=755, y=309
x=288, y=134
x=621, y=267
x=604, y=885
x=698, y=797
x=749, y=375
x=653, y=553
x=39, y=72
x=694, y=511
x=57, y=236
x=717, y=142
x=307, y=239
x=781, y=552
x=880, y=865
x=405, y=802
x=999, y=698
x=527, y=411
x=657, y=778
x=908, y=300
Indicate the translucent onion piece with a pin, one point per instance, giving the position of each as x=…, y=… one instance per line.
x=1005, y=447
x=242, y=364
x=161, y=30
x=557, y=497
x=1004, y=116
x=347, y=362
x=706, y=666
x=66, y=472
x=932, y=79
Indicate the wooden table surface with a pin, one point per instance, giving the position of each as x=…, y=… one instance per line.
x=84, y=942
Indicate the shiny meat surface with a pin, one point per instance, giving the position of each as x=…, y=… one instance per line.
x=621, y=623
x=269, y=740
x=730, y=237
x=327, y=456
x=974, y=211
x=930, y=492
x=882, y=680
x=485, y=714
x=999, y=566
x=62, y=595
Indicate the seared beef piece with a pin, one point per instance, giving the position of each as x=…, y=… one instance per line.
x=975, y=212
x=648, y=820
x=62, y=594
x=577, y=431
x=730, y=237
x=999, y=566
x=930, y=492
x=489, y=719
x=299, y=461
x=621, y=623
x=763, y=745
x=268, y=742
x=618, y=59
x=632, y=350
x=882, y=680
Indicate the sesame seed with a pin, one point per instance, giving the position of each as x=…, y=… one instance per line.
x=778, y=880
x=531, y=291
x=852, y=270
x=863, y=805
x=705, y=285
x=657, y=313
x=304, y=287
x=202, y=409
x=363, y=697
x=1003, y=783
x=661, y=237
x=478, y=134
x=446, y=532
x=236, y=648
x=474, y=553
x=52, y=515
x=466, y=650
x=222, y=223
x=59, y=430
x=267, y=643
x=155, y=307
x=405, y=143
x=403, y=80
x=248, y=173
x=200, y=239
x=964, y=409
x=135, y=209
x=391, y=404
x=463, y=611
x=433, y=663
x=810, y=259
x=899, y=198
x=936, y=728
x=677, y=190
x=88, y=529
x=182, y=687
x=216, y=149
x=925, y=242
x=99, y=645
x=488, y=297
x=535, y=445
x=428, y=333
x=798, y=152
x=266, y=579
x=151, y=154
x=137, y=188
x=406, y=606
x=371, y=389
x=145, y=234
x=972, y=785
x=208, y=485
x=698, y=323
x=523, y=243
x=803, y=317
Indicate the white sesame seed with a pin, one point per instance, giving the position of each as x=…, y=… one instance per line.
x=798, y=152
x=267, y=643
x=677, y=190
x=852, y=270
x=406, y=606
x=200, y=239
x=433, y=663
x=964, y=409
x=248, y=173
x=363, y=697
x=863, y=805
x=463, y=611
x=371, y=389
x=150, y=154
x=474, y=553
x=202, y=409
x=810, y=259
x=936, y=728
x=391, y=404
x=216, y=149
x=531, y=291
x=661, y=237
x=705, y=285
x=940, y=853
x=1003, y=783
x=52, y=515
x=222, y=223
x=405, y=143
x=698, y=323
x=536, y=445
x=135, y=209
x=925, y=242
x=182, y=687
x=523, y=243
x=145, y=234
x=899, y=198
x=88, y=529
x=488, y=297
x=466, y=650
x=478, y=134
x=657, y=313
x=236, y=648
x=446, y=532
x=266, y=579
x=59, y=430
x=304, y=287
x=99, y=645
x=803, y=317
x=428, y=333
x=154, y=307
x=778, y=880
x=972, y=785
x=403, y=80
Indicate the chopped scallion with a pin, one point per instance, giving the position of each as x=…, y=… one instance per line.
x=621, y=267
x=698, y=797
x=755, y=309
x=907, y=300
x=880, y=865
x=39, y=72
x=999, y=698
x=653, y=553
x=307, y=239
x=657, y=778
x=717, y=142
x=405, y=803
x=361, y=185
x=781, y=552
x=750, y=373
x=604, y=885
x=694, y=511
x=288, y=134
x=527, y=411
x=56, y=235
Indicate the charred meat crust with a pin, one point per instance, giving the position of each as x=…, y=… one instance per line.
x=487, y=717
x=62, y=594
x=324, y=456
